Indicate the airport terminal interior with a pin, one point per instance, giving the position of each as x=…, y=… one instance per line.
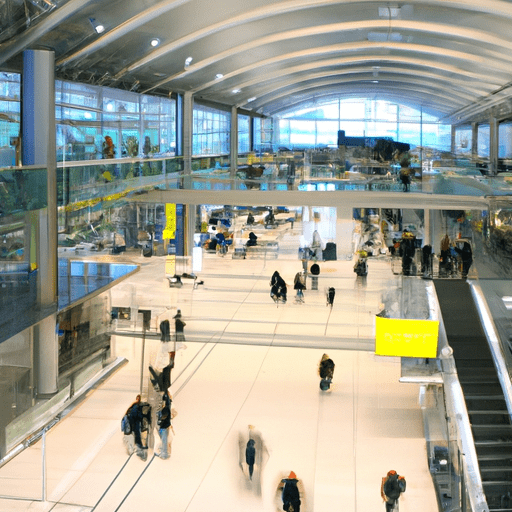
x=287, y=225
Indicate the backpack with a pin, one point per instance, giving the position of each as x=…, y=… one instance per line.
x=392, y=487
x=401, y=483
x=125, y=425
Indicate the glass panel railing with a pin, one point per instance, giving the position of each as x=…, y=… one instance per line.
x=97, y=180
x=22, y=189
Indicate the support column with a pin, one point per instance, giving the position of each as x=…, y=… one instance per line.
x=474, y=141
x=426, y=221
x=493, y=146
x=454, y=130
x=188, y=113
x=38, y=148
x=233, y=143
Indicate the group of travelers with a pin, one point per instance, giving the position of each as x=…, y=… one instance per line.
x=138, y=417
x=451, y=253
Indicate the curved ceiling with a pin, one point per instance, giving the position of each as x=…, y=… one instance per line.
x=270, y=55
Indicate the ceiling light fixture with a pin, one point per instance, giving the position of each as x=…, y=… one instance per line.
x=98, y=27
x=251, y=99
x=236, y=91
x=218, y=76
x=155, y=42
x=188, y=60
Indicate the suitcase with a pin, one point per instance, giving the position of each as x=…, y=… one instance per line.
x=329, y=252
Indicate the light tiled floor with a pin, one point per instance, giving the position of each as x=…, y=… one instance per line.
x=246, y=362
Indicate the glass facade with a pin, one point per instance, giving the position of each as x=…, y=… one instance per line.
x=463, y=139
x=314, y=126
x=211, y=129
x=138, y=125
x=244, y=124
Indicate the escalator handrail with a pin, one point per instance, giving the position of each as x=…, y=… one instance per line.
x=496, y=348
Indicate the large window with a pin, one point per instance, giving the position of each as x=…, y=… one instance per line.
x=10, y=118
x=211, y=129
x=505, y=140
x=318, y=125
x=244, y=123
x=263, y=134
x=139, y=125
x=463, y=139
x=483, y=140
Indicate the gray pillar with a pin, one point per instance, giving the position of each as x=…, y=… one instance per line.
x=188, y=111
x=474, y=140
x=493, y=146
x=233, y=143
x=454, y=130
x=38, y=148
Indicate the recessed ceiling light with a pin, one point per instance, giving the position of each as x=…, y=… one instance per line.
x=188, y=60
x=236, y=91
x=251, y=99
x=218, y=76
x=98, y=27
x=155, y=42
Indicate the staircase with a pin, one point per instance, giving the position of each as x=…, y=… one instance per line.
x=490, y=420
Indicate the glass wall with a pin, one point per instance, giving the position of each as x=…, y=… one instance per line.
x=463, y=139
x=244, y=123
x=505, y=140
x=9, y=117
x=138, y=125
x=263, y=134
x=483, y=140
x=210, y=132
x=318, y=125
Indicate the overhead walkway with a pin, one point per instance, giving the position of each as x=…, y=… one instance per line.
x=485, y=400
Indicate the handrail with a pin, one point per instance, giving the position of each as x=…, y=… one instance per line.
x=457, y=412
x=495, y=346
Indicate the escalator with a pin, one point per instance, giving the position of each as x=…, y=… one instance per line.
x=485, y=401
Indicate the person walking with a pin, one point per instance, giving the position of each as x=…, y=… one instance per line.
x=393, y=485
x=179, y=324
x=299, y=284
x=290, y=493
x=331, y=292
x=466, y=255
x=164, y=424
x=326, y=372
x=135, y=417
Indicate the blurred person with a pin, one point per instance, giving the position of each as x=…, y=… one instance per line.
x=291, y=490
x=392, y=486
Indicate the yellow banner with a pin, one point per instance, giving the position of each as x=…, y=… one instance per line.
x=406, y=338
x=169, y=232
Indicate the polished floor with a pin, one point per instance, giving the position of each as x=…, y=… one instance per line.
x=246, y=362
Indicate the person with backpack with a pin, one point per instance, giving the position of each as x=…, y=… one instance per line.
x=290, y=493
x=326, y=372
x=393, y=485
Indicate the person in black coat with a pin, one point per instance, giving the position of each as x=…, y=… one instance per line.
x=466, y=256
x=134, y=413
x=278, y=288
x=290, y=493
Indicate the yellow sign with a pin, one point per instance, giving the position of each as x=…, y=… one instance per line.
x=406, y=338
x=169, y=232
